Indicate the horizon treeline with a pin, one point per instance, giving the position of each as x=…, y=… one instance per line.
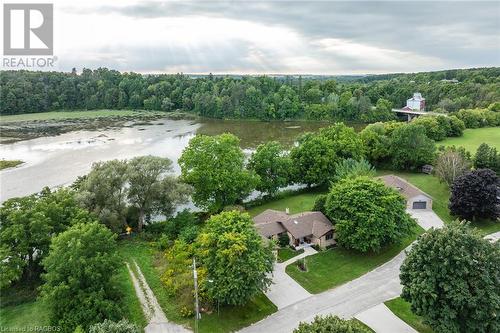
x=367, y=98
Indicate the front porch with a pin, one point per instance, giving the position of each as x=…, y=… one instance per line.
x=302, y=242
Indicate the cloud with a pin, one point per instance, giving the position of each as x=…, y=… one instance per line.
x=277, y=36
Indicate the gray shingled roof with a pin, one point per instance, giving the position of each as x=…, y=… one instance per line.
x=272, y=222
x=402, y=186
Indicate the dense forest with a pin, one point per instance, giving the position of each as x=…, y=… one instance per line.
x=366, y=98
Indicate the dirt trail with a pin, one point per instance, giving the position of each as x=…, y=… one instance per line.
x=157, y=321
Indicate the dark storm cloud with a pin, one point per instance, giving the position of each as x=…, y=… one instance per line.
x=461, y=34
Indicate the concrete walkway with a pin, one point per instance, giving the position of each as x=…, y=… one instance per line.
x=284, y=291
x=382, y=320
x=426, y=218
x=157, y=321
x=493, y=237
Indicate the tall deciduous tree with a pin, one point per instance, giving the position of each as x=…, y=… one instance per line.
x=451, y=164
x=235, y=258
x=151, y=187
x=450, y=277
x=376, y=143
x=273, y=166
x=475, y=194
x=367, y=215
x=214, y=166
x=316, y=155
x=103, y=191
x=79, y=284
x=487, y=158
x=410, y=147
x=26, y=227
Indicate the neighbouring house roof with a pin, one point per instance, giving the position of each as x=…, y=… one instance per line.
x=273, y=222
x=408, y=190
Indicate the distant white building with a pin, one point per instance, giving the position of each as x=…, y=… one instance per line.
x=416, y=103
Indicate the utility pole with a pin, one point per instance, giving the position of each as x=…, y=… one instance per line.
x=196, y=306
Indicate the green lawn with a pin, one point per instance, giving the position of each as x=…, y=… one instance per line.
x=230, y=319
x=402, y=309
x=473, y=137
x=4, y=164
x=297, y=203
x=337, y=266
x=287, y=253
x=28, y=314
x=59, y=115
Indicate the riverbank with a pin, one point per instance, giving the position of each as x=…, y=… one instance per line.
x=34, y=125
x=15, y=128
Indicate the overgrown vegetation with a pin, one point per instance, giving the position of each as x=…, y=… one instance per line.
x=4, y=164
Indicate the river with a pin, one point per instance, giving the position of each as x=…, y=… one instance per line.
x=58, y=160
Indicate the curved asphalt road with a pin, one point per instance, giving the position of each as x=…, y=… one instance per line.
x=373, y=288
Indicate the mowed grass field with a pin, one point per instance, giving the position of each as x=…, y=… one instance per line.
x=333, y=267
x=473, y=137
x=62, y=115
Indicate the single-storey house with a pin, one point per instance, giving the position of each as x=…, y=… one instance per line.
x=415, y=198
x=307, y=228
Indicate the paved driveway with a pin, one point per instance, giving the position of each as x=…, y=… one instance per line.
x=285, y=291
x=382, y=320
x=426, y=218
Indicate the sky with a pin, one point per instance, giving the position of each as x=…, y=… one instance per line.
x=288, y=37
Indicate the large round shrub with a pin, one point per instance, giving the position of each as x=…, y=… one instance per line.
x=331, y=324
x=450, y=277
x=367, y=215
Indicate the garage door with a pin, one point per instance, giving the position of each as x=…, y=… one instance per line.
x=420, y=205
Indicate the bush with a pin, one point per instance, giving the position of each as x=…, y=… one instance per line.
x=331, y=324
x=411, y=148
x=367, y=215
x=108, y=326
x=457, y=127
x=475, y=118
x=284, y=240
x=350, y=168
x=434, y=129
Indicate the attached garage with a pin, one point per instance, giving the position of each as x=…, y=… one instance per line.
x=419, y=205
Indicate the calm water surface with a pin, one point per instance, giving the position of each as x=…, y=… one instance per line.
x=59, y=160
